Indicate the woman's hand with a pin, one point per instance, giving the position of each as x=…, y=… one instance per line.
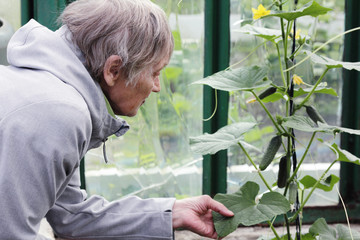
x=194, y=214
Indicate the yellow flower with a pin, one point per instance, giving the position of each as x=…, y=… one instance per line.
x=251, y=100
x=260, y=12
x=297, y=35
x=297, y=80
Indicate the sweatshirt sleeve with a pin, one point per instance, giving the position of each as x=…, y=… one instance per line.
x=39, y=152
x=41, y=147
x=75, y=217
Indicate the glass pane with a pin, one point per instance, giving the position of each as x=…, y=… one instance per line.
x=10, y=21
x=153, y=158
x=247, y=50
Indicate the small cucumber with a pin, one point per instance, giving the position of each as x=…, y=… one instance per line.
x=283, y=173
x=314, y=114
x=293, y=188
x=270, y=152
x=267, y=92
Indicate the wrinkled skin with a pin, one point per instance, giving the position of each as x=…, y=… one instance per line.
x=125, y=99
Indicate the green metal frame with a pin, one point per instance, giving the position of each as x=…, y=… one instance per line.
x=350, y=117
x=217, y=55
x=44, y=11
x=350, y=174
x=27, y=9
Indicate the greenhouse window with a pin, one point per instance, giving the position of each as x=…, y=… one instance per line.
x=247, y=49
x=155, y=157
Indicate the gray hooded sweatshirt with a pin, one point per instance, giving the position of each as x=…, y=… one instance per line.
x=51, y=113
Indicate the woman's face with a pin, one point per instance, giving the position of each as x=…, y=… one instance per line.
x=125, y=100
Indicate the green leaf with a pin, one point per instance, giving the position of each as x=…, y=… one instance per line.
x=224, y=138
x=266, y=33
x=310, y=9
x=243, y=79
x=324, y=232
x=321, y=229
x=333, y=63
x=326, y=185
x=344, y=233
x=305, y=124
x=307, y=236
x=247, y=211
x=321, y=88
x=273, y=97
x=341, y=154
x=300, y=123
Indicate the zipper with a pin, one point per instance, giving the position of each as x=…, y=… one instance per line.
x=104, y=151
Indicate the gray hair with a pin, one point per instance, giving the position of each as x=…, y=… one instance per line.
x=135, y=30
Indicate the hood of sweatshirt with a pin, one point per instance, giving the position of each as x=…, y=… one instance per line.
x=36, y=47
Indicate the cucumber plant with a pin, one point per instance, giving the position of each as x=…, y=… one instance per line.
x=282, y=197
x=270, y=152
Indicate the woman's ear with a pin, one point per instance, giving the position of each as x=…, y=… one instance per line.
x=111, y=71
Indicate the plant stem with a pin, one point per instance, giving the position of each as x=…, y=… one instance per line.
x=346, y=213
x=274, y=231
x=302, y=158
x=215, y=108
x=282, y=29
x=267, y=111
x=297, y=50
x=313, y=89
x=280, y=64
x=287, y=226
x=257, y=169
x=284, y=38
x=311, y=192
x=287, y=85
x=285, y=52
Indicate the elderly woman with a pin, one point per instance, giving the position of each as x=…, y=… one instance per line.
x=53, y=109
